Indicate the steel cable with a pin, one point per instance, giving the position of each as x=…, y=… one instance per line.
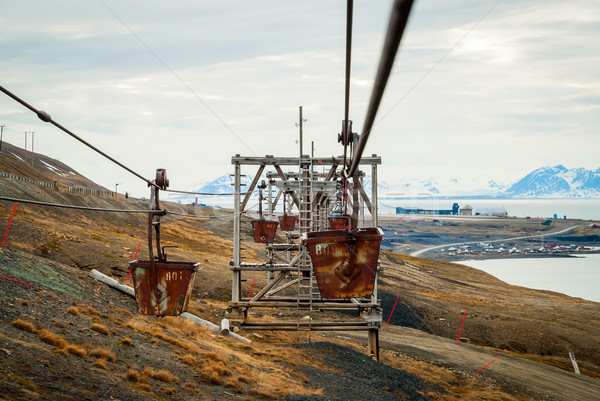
x=397, y=24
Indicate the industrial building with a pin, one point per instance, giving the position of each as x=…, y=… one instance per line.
x=453, y=211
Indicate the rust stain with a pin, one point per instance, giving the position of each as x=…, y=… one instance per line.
x=339, y=222
x=163, y=289
x=287, y=223
x=264, y=230
x=345, y=264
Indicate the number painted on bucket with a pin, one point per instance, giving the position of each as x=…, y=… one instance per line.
x=174, y=276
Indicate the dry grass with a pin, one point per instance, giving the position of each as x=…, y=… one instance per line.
x=127, y=341
x=73, y=310
x=101, y=363
x=23, y=325
x=73, y=349
x=133, y=376
x=102, y=353
x=52, y=338
x=189, y=359
x=163, y=375
x=100, y=328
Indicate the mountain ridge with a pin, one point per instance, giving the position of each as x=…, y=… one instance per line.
x=551, y=182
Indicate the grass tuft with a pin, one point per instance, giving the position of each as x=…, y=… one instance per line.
x=133, y=376
x=102, y=353
x=23, y=325
x=52, y=338
x=100, y=328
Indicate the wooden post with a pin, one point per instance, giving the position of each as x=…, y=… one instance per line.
x=574, y=362
x=236, y=280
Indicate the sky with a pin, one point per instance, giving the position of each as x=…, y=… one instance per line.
x=481, y=89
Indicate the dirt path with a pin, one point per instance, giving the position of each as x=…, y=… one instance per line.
x=554, y=233
x=514, y=375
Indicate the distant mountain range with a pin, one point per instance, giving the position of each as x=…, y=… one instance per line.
x=544, y=182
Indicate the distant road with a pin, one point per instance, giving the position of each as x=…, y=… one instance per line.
x=431, y=248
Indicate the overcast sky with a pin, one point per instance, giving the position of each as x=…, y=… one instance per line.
x=481, y=89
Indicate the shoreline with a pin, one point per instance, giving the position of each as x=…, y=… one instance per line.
x=511, y=256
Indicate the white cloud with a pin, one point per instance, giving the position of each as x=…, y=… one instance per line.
x=504, y=101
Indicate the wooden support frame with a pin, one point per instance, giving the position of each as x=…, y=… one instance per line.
x=283, y=277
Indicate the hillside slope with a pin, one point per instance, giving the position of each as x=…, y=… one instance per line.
x=126, y=356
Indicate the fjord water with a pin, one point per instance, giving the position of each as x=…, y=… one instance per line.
x=574, y=276
x=584, y=209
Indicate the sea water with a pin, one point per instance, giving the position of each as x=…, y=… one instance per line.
x=574, y=276
x=585, y=209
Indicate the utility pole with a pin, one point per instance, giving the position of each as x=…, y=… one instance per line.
x=1, y=131
x=32, y=142
x=300, y=125
x=25, y=154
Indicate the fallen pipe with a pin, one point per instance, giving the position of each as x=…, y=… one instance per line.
x=224, y=329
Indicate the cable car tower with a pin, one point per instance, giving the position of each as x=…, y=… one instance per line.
x=331, y=262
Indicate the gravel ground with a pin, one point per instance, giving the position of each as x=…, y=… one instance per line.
x=357, y=377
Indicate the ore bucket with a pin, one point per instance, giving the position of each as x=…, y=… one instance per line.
x=165, y=292
x=287, y=223
x=264, y=230
x=341, y=222
x=345, y=264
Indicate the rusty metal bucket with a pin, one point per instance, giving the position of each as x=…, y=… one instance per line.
x=264, y=230
x=165, y=289
x=339, y=222
x=287, y=223
x=345, y=264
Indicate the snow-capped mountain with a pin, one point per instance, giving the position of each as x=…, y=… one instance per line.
x=557, y=182
x=544, y=182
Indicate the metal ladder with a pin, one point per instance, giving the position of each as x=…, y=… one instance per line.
x=305, y=271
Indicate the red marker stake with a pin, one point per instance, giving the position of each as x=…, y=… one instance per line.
x=461, y=326
x=12, y=279
x=128, y=274
x=388, y=322
x=251, y=288
x=136, y=251
x=10, y=221
x=489, y=363
x=98, y=288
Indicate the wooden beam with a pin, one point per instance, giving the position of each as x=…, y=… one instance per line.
x=251, y=188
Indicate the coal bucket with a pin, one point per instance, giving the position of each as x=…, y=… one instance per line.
x=264, y=230
x=163, y=290
x=345, y=264
x=339, y=222
x=287, y=223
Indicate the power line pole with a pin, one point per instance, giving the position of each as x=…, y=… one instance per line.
x=32, y=154
x=1, y=132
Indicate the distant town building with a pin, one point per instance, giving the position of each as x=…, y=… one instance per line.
x=467, y=210
x=495, y=211
x=453, y=211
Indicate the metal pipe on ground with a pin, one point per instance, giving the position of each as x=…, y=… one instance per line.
x=111, y=282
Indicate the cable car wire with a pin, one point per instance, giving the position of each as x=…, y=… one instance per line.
x=95, y=209
x=397, y=24
x=42, y=115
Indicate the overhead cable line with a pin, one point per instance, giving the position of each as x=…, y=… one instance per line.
x=178, y=77
x=45, y=117
x=208, y=193
x=222, y=217
x=95, y=209
x=345, y=134
x=396, y=26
